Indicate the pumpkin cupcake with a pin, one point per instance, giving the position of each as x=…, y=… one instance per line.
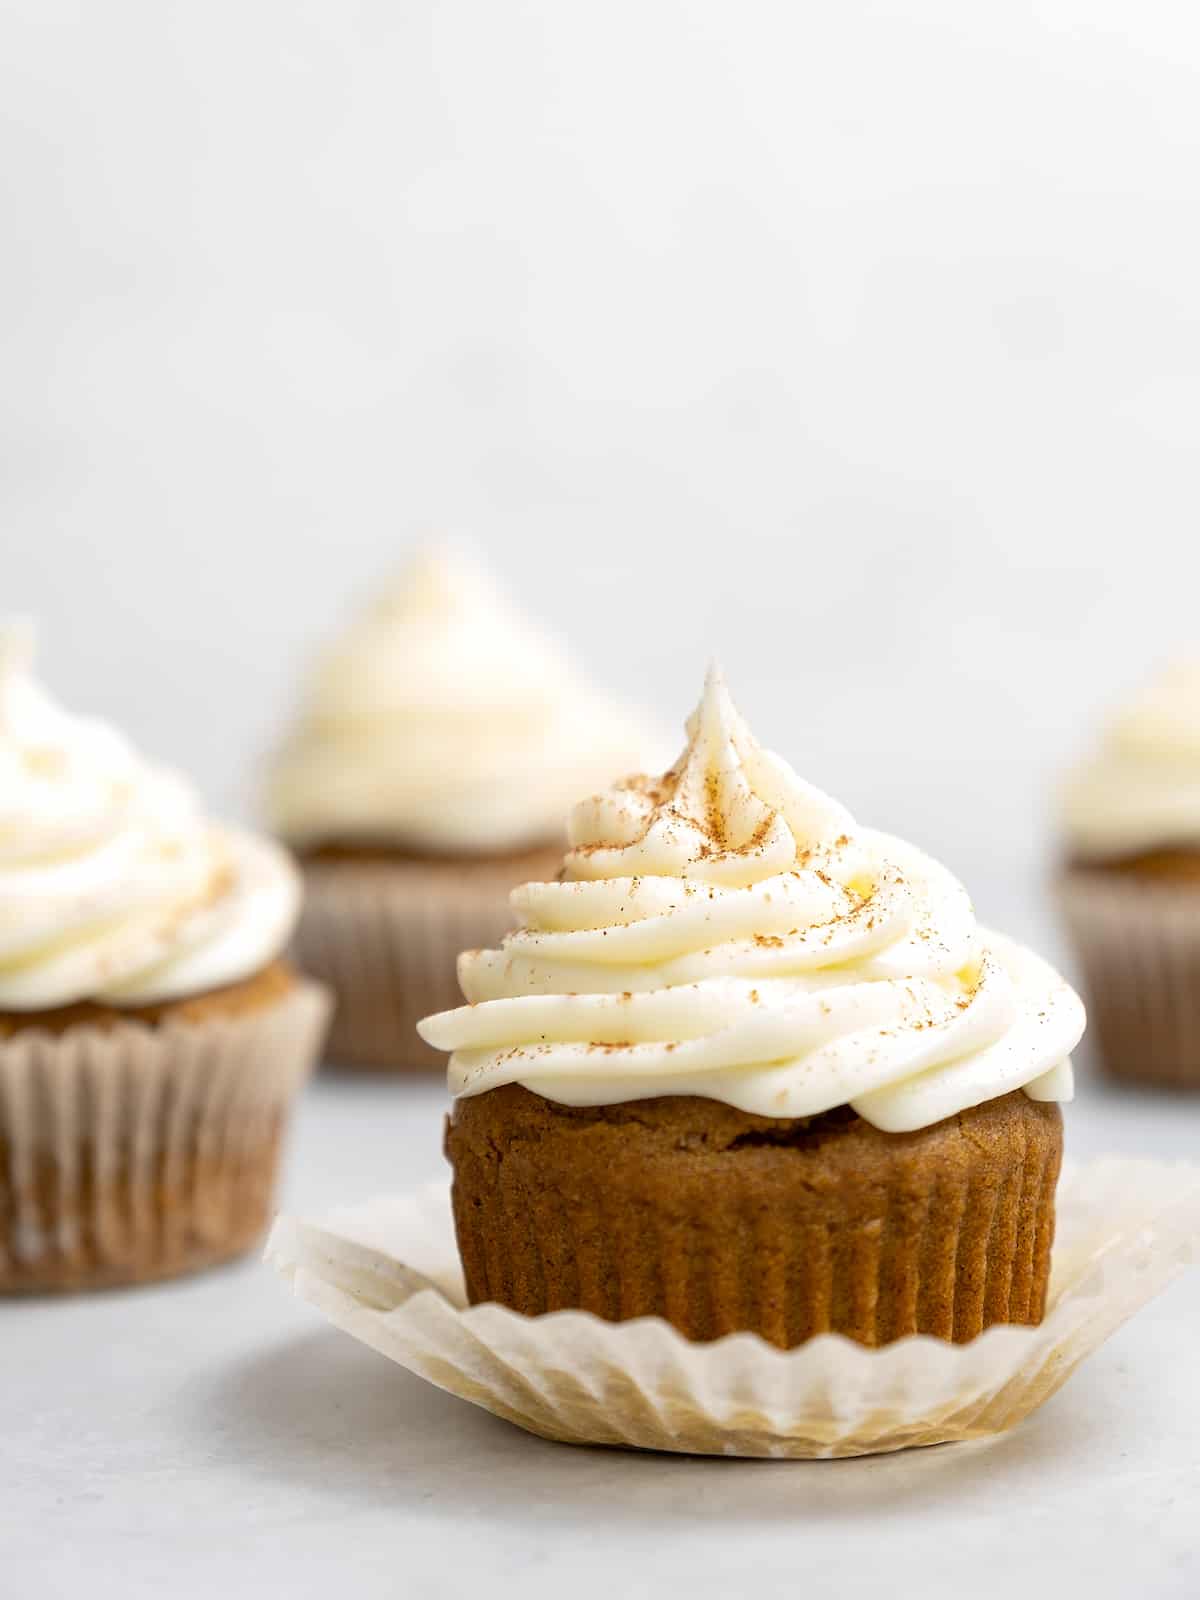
x=439, y=747
x=152, y=1038
x=748, y=1066
x=1130, y=882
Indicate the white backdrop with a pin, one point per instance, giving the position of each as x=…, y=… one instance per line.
x=858, y=345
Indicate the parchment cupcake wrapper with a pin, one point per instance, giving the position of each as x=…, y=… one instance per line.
x=1138, y=946
x=388, y=1274
x=386, y=940
x=135, y=1152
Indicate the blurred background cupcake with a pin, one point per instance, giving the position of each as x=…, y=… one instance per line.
x=151, y=1037
x=1130, y=886
x=441, y=743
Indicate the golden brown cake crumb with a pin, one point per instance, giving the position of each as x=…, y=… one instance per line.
x=719, y=1220
x=522, y=863
x=235, y=999
x=1166, y=865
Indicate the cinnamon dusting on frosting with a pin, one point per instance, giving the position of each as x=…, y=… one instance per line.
x=822, y=965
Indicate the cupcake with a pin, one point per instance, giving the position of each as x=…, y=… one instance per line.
x=441, y=743
x=152, y=1038
x=1130, y=882
x=746, y=1065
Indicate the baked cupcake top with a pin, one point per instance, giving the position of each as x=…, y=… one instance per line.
x=114, y=886
x=444, y=723
x=1140, y=790
x=728, y=931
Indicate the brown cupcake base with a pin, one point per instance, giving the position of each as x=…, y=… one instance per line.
x=721, y=1221
x=384, y=931
x=144, y=1143
x=253, y=994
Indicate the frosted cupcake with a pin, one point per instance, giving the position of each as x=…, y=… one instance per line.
x=439, y=747
x=1130, y=885
x=151, y=1037
x=748, y=1066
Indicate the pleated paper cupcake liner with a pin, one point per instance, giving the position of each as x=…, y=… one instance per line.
x=1138, y=946
x=388, y=1274
x=132, y=1152
x=386, y=939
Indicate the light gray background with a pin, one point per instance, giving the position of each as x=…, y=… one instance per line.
x=858, y=345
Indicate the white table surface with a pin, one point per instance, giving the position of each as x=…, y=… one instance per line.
x=214, y=1437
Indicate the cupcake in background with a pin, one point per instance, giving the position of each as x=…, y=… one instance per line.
x=440, y=744
x=152, y=1038
x=1130, y=884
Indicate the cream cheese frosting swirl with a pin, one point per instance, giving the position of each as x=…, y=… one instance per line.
x=444, y=722
x=1141, y=790
x=727, y=931
x=114, y=887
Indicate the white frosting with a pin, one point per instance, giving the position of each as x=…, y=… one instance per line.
x=1141, y=790
x=445, y=722
x=729, y=932
x=113, y=885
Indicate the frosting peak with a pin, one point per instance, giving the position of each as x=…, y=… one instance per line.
x=1141, y=789
x=113, y=885
x=728, y=812
x=728, y=930
x=444, y=722
x=441, y=582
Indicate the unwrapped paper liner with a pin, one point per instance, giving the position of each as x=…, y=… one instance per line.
x=388, y=1273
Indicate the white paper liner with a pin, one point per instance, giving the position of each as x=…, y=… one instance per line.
x=386, y=939
x=133, y=1151
x=1138, y=945
x=388, y=1273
